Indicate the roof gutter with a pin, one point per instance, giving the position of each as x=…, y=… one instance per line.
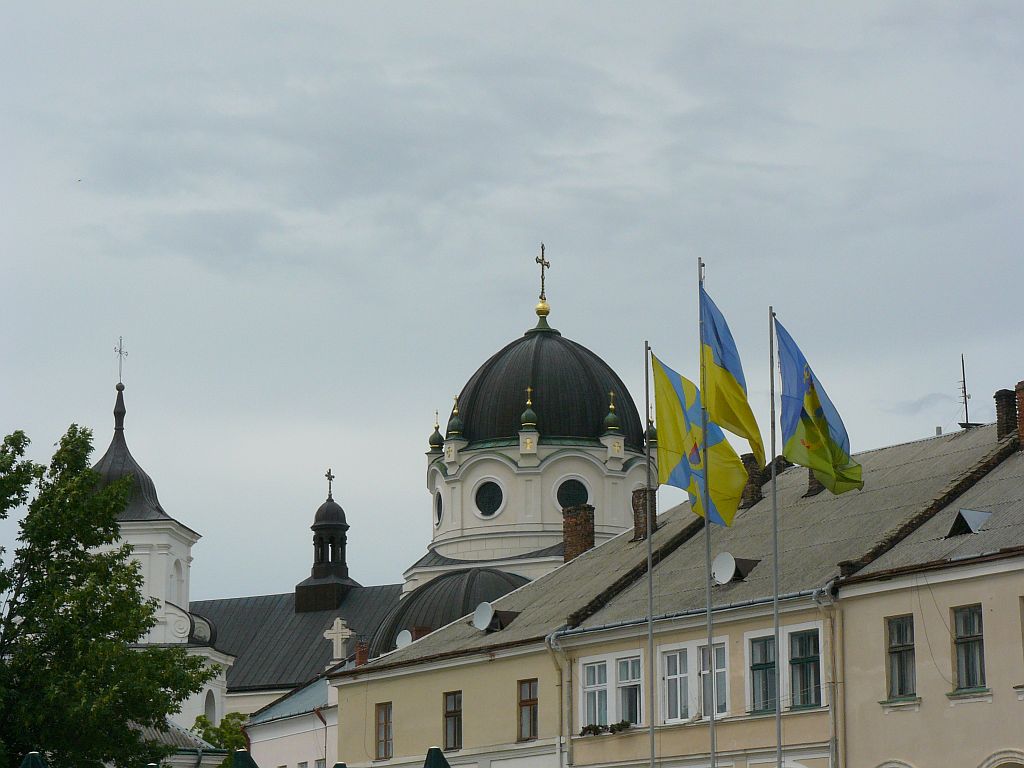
x=932, y=565
x=812, y=593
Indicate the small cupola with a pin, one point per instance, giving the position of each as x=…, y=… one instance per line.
x=611, y=421
x=455, y=422
x=329, y=582
x=436, y=441
x=529, y=418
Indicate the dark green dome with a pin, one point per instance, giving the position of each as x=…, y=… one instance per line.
x=570, y=392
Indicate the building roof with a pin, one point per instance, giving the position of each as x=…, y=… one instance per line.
x=173, y=735
x=442, y=600
x=306, y=698
x=274, y=646
x=433, y=558
x=570, y=392
x=118, y=461
x=905, y=485
x=816, y=533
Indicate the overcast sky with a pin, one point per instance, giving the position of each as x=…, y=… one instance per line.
x=312, y=222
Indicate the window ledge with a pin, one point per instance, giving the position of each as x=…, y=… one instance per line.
x=969, y=696
x=901, y=704
x=804, y=707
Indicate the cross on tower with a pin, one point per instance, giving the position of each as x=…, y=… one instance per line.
x=544, y=263
x=338, y=634
x=529, y=395
x=122, y=353
x=611, y=400
x=330, y=483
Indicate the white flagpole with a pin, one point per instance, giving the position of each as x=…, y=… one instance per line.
x=650, y=555
x=707, y=519
x=775, y=548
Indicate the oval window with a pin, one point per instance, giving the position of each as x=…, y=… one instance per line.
x=438, y=508
x=572, y=493
x=488, y=498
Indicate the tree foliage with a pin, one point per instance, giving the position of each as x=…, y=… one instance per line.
x=74, y=683
x=228, y=735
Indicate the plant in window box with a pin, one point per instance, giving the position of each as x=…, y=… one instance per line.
x=619, y=727
x=592, y=729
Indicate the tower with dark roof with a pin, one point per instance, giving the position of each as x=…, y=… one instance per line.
x=328, y=581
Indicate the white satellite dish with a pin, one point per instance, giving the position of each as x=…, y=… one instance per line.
x=482, y=616
x=723, y=569
x=403, y=639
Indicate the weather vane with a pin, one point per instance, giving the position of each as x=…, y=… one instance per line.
x=330, y=483
x=122, y=353
x=544, y=263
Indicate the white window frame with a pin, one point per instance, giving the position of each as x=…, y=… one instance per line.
x=694, y=683
x=611, y=661
x=682, y=672
x=597, y=688
x=782, y=656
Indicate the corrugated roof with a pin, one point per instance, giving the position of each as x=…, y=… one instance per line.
x=311, y=696
x=816, y=534
x=274, y=646
x=173, y=735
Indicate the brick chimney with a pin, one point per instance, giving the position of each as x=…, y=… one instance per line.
x=362, y=652
x=577, y=530
x=752, y=490
x=420, y=631
x=814, y=486
x=640, y=512
x=1006, y=413
x=1020, y=412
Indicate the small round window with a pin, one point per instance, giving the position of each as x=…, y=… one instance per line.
x=572, y=493
x=438, y=508
x=488, y=498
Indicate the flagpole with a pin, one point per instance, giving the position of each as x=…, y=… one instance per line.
x=706, y=502
x=775, y=547
x=650, y=555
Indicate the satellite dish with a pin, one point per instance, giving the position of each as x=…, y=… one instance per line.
x=482, y=616
x=723, y=569
x=403, y=639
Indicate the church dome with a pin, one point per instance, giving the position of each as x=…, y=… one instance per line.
x=330, y=513
x=570, y=386
x=441, y=601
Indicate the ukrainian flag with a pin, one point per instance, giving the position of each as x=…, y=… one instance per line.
x=724, y=385
x=813, y=435
x=680, y=462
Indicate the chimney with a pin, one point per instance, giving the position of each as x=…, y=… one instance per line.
x=752, y=490
x=1006, y=413
x=577, y=530
x=814, y=486
x=420, y=631
x=1020, y=412
x=640, y=512
x=362, y=652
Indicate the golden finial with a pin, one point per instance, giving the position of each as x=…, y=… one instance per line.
x=529, y=395
x=437, y=424
x=455, y=410
x=611, y=401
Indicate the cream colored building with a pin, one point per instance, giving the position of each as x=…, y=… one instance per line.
x=936, y=535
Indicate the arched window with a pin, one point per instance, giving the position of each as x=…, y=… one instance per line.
x=210, y=708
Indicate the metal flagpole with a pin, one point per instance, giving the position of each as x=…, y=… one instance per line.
x=707, y=517
x=775, y=547
x=650, y=555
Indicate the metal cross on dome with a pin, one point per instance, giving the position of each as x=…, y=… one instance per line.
x=330, y=483
x=122, y=353
x=544, y=264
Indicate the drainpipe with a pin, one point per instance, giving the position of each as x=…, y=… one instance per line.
x=564, y=694
x=199, y=757
x=826, y=603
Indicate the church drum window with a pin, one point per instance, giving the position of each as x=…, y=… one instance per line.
x=489, y=498
x=438, y=507
x=572, y=493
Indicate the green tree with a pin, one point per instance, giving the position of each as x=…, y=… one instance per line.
x=228, y=735
x=74, y=682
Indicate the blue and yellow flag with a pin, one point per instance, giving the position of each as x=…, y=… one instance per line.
x=725, y=389
x=680, y=462
x=813, y=435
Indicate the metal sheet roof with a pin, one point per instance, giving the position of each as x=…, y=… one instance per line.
x=274, y=646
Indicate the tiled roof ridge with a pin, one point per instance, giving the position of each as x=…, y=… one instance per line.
x=275, y=594
x=635, y=573
x=966, y=480
x=925, y=439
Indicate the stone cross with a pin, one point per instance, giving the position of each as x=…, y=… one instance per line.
x=338, y=634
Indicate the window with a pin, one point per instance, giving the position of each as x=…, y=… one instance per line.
x=527, y=709
x=438, y=508
x=902, y=680
x=677, y=695
x=970, y=650
x=805, y=669
x=572, y=493
x=762, y=675
x=713, y=680
x=321, y=763
x=453, y=720
x=628, y=683
x=385, y=743
x=489, y=498
x=303, y=764
x=595, y=693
